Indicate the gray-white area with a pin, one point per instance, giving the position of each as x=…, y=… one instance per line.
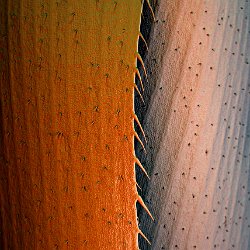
x=197, y=125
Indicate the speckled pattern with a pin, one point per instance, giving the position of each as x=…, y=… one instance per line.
x=198, y=127
x=67, y=173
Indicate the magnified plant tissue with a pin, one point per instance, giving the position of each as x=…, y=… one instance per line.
x=124, y=124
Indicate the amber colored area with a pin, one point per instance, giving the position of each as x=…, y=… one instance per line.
x=67, y=158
